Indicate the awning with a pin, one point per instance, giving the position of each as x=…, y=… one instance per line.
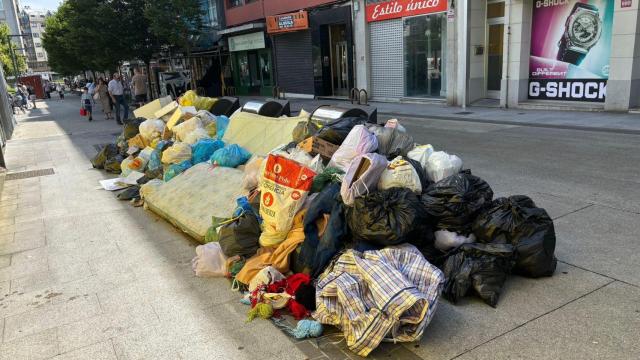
x=242, y=28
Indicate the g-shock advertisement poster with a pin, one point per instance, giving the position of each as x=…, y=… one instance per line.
x=570, y=49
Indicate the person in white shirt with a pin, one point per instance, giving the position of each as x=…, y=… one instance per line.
x=116, y=91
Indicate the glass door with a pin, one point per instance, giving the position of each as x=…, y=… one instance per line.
x=495, y=47
x=424, y=55
x=339, y=70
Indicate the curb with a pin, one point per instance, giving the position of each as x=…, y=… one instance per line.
x=527, y=124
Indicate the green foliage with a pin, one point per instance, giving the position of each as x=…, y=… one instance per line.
x=5, y=53
x=99, y=34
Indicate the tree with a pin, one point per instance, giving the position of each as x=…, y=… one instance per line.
x=6, y=56
x=175, y=22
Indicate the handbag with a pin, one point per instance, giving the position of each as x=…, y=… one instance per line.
x=83, y=112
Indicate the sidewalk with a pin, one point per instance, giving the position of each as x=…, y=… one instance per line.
x=85, y=276
x=582, y=120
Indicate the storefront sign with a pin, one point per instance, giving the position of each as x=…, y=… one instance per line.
x=287, y=22
x=247, y=42
x=625, y=3
x=570, y=50
x=402, y=8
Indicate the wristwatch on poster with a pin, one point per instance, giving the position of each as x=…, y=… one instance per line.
x=582, y=31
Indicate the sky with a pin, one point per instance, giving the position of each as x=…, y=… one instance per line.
x=41, y=4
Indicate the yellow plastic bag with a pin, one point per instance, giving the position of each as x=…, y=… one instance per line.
x=190, y=98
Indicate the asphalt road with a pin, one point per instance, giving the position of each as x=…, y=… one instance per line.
x=141, y=283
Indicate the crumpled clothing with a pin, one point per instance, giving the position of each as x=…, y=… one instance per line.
x=376, y=295
x=278, y=257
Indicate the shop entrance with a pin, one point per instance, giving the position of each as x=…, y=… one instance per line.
x=254, y=74
x=339, y=62
x=495, y=46
x=424, y=56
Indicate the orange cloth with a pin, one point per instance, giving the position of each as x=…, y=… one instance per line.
x=278, y=257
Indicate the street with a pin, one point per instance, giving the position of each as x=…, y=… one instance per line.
x=86, y=276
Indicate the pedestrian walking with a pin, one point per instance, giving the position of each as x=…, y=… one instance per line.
x=61, y=92
x=85, y=103
x=139, y=87
x=116, y=91
x=92, y=89
x=32, y=95
x=102, y=91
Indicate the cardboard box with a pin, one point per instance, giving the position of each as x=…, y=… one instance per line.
x=166, y=111
x=315, y=145
x=179, y=115
x=148, y=111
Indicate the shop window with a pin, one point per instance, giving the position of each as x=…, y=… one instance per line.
x=424, y=55
x=235, y=3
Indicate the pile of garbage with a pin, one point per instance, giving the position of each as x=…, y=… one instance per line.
x=345, y=223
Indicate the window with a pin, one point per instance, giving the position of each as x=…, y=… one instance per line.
x=36, y=35
x=38, y=45
x=424, y=55
x=234, y=3
x=40, y=54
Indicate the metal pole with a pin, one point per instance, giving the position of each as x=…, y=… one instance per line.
x=13, y=59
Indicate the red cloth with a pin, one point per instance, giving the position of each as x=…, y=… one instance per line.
x=289, y=285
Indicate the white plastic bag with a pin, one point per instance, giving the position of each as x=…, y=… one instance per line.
x=369, y=167
x=441, y=165
x=421, y=154
x=395, y=124
x=209, y=261
x=184, y=128
x=400, y=173
x=196, y=135
x=446, y=240
x=151, y=129
x=176, y=153
x=124, y=166
x=266, y=276
x=359, y=141
x=284, y=186
x=252, y=173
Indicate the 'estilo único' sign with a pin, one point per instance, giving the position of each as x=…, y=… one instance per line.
x=402, y=8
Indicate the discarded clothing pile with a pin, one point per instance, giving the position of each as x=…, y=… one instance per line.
x=350, y=223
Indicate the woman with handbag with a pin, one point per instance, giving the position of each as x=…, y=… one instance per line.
x=102, y=95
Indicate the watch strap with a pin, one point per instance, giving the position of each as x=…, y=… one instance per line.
x=584, y=6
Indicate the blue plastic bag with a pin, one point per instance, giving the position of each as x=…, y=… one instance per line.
x=230, y=156
x=176, y=169
x=221, y=125
x=156, y=155
x=203, y=149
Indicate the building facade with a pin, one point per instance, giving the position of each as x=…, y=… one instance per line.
x=9, y=14
x=563, y=54
x=32, y=23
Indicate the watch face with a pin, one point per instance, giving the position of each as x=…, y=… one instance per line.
x=584, y=29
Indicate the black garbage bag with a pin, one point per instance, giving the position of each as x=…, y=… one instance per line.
x=517, y=221
x=424, y=181
x=455, y=201
x=107, y=152
x=386, y=217
x=241, y=236
x=392, y=142
x=482, y=266
x=131, y=127
x=132, y=192
x=112, y=164
x=316, y=251
x=337, y=130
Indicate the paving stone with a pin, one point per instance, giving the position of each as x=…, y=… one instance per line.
x=602, y=325
x=100, y=351
x=53, y=276
x=603, y=240
x=50, y=316
x=5, y=260
x=24, y=263
x=457, y=328
x=42, y=345
x=105, y=326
